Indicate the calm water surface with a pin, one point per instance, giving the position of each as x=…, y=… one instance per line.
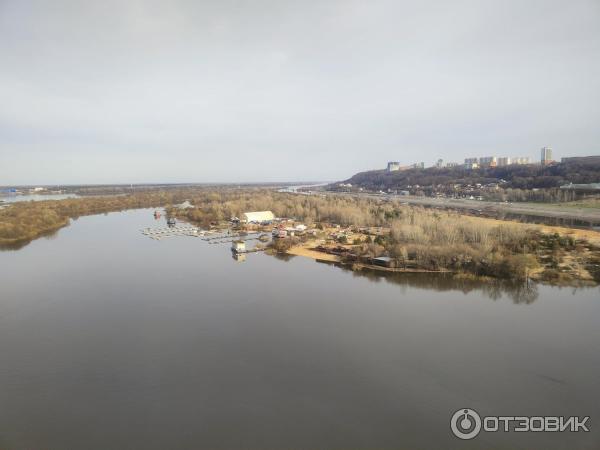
x=111, y=340
x=35, y=197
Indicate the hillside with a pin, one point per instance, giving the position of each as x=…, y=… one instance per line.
x=525, y=177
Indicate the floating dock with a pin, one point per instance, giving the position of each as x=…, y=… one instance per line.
x=209, y=236
x=212, y=237
x=160, y=233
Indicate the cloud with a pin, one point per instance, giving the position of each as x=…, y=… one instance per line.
x=290, y=90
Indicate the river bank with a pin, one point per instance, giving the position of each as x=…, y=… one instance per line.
x=563, y=256
x=356, y=231
x=578, y=275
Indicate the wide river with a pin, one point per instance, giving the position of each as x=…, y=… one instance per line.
x=111, y=340
x=34, y=197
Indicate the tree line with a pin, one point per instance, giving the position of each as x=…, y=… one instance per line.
x=428, y=238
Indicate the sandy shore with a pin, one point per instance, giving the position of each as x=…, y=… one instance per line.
x=306, y=251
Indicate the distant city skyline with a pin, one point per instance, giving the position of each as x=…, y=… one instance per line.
x=481, y=155
x=219, y=91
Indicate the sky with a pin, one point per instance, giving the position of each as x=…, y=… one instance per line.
x=117, y=91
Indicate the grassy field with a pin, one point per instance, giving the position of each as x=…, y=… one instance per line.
x=591, y=203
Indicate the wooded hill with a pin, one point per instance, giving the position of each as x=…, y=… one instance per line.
x=577, y=171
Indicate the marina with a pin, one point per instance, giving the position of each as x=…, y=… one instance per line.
x=237, y=238
x=165, y=232
x=211, y=237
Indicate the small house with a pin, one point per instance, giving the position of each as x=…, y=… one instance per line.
x=238, y=247
x=383, y=261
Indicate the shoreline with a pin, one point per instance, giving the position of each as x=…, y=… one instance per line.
x=535, y=276
x=579, y=275
x=414, y=240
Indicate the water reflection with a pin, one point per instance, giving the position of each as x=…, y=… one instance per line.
x=495, y=289
x=13, y=246
x=283, y=257
x=239, y=257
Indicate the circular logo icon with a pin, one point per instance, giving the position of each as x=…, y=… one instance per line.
x=465, y=423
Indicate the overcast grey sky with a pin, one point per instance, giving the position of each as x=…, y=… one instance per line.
x=169, y=91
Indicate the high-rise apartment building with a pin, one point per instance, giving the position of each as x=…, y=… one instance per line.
x=546, y=156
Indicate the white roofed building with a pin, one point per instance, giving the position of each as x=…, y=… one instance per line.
x=258, y=216
x=185, y=205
